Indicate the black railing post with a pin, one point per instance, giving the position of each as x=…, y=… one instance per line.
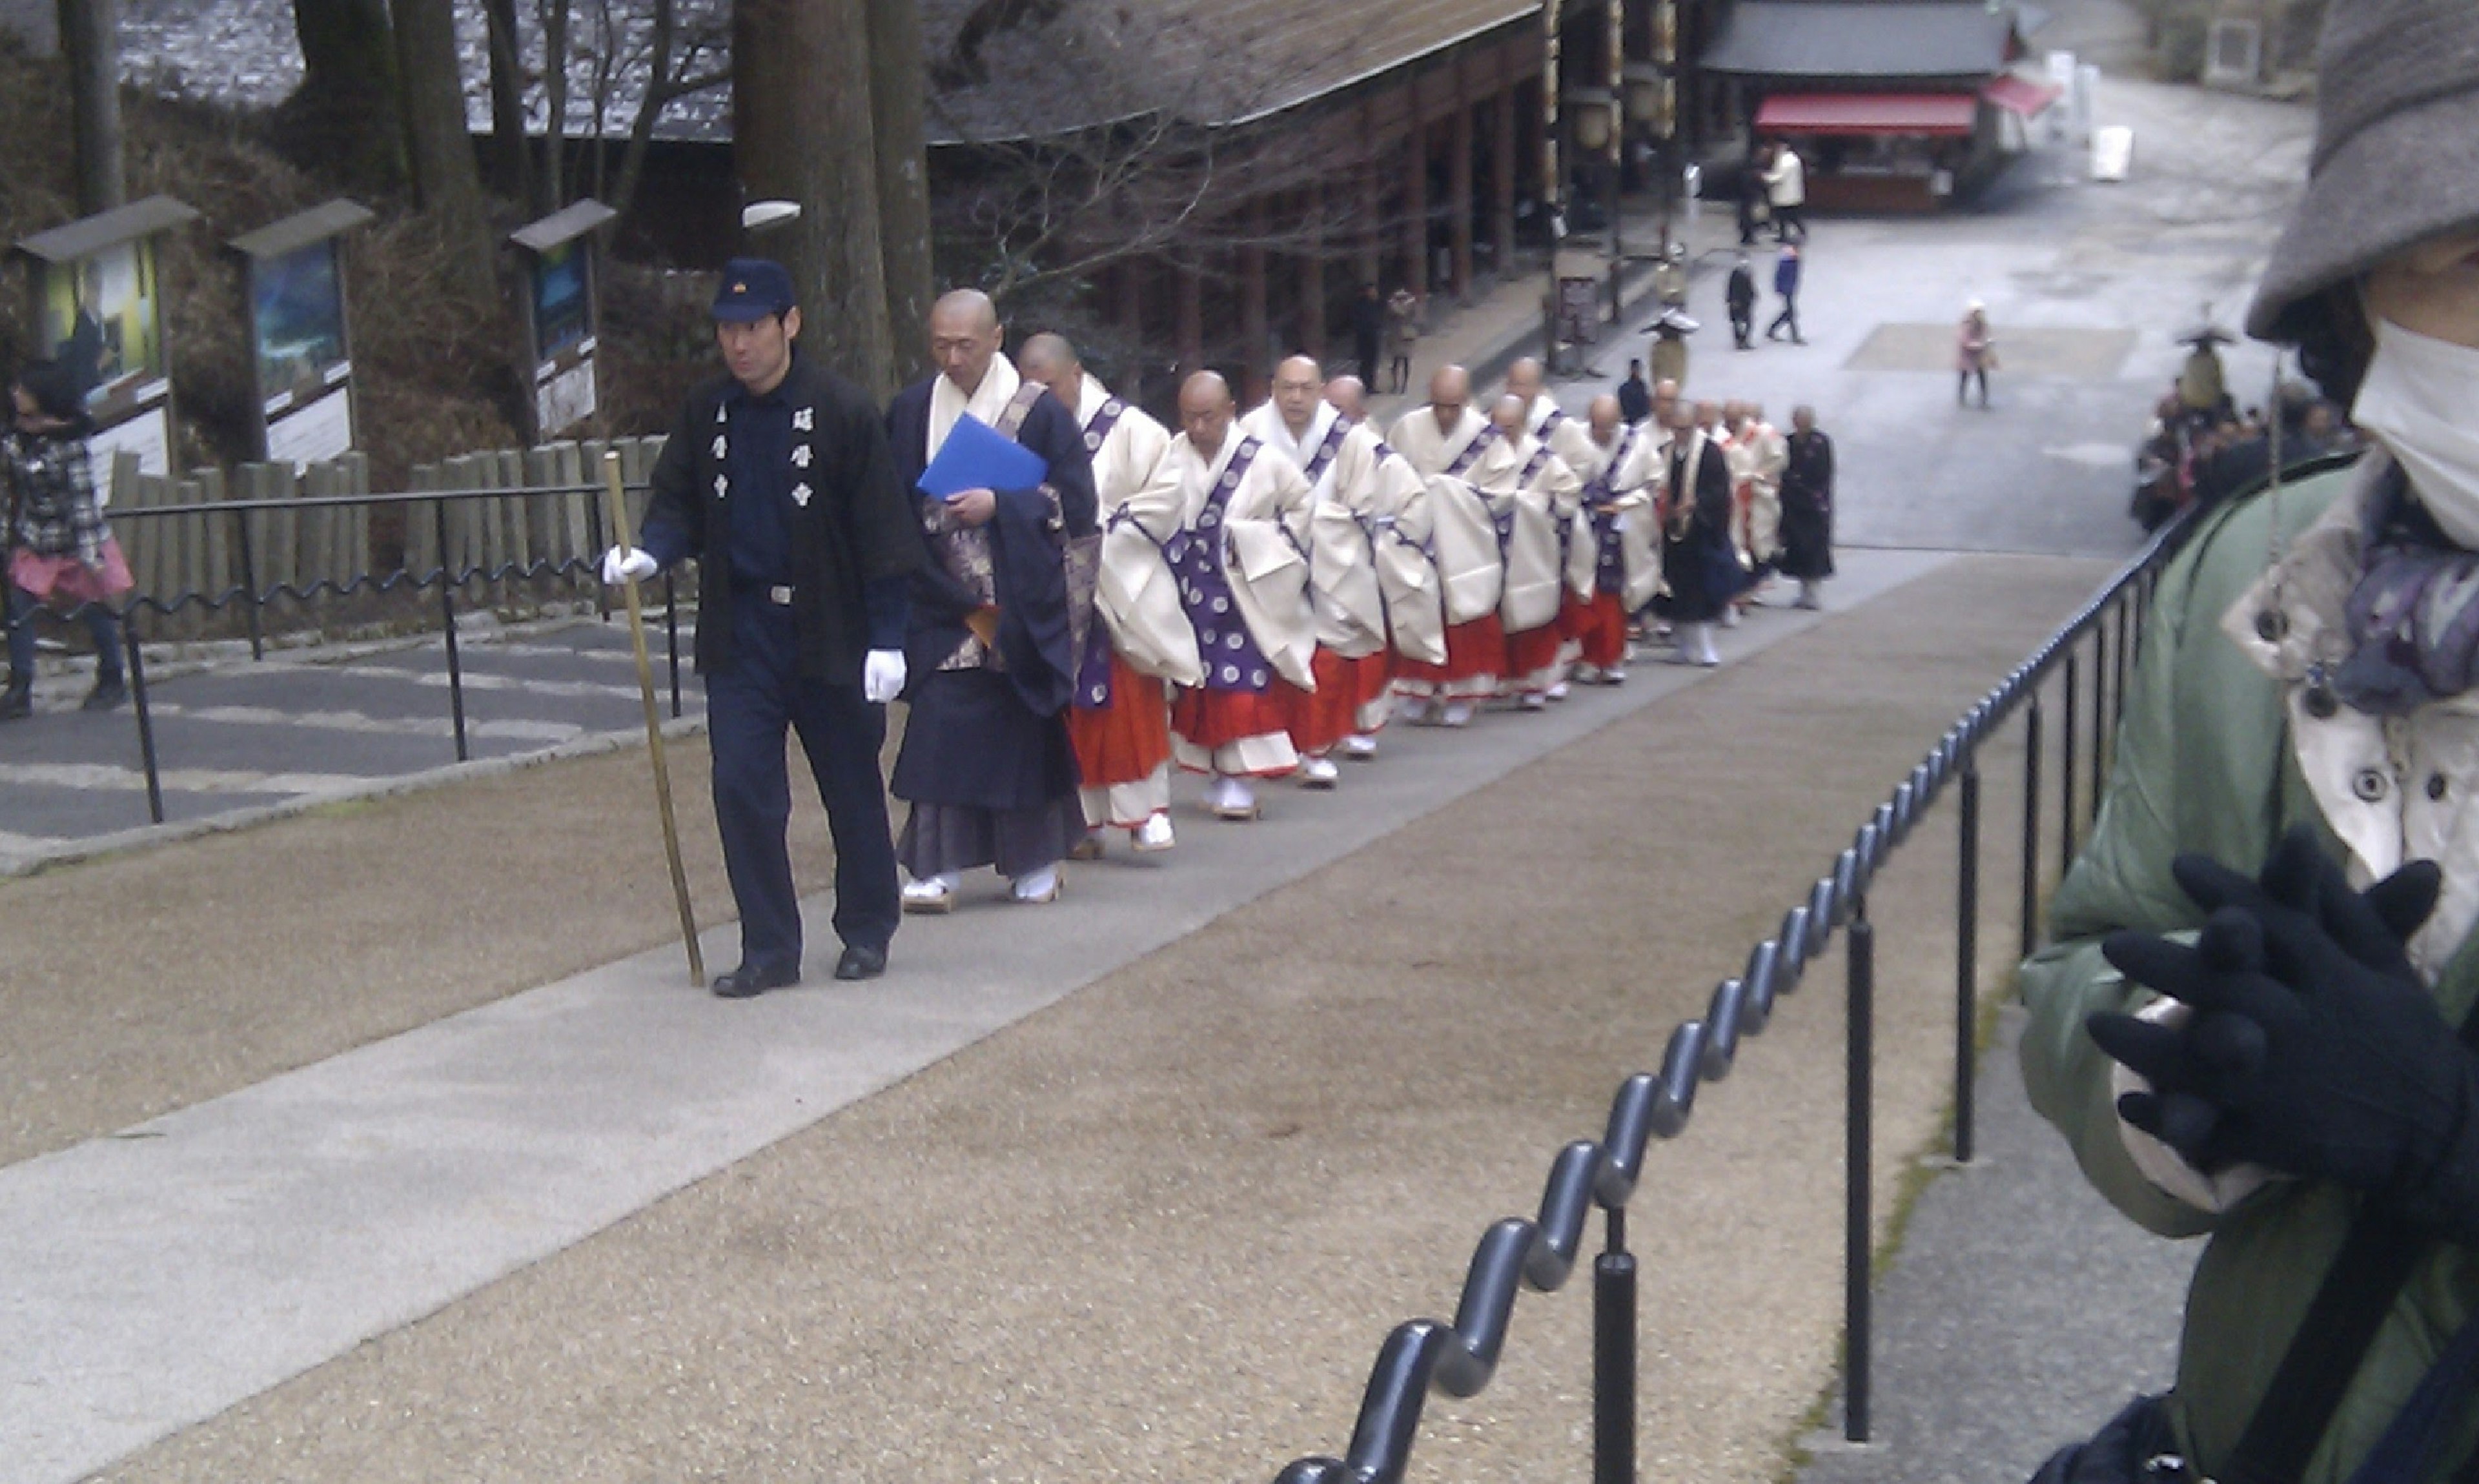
x=448, y=583
x=2099, y=710
x=2032, y=743
x=2066, y=769
x=249, y=584
x=1966, y=959
x=2130, y=623
x=1614, y=1321
x=137, y=666
x=1859, y=1227
x=672, y=638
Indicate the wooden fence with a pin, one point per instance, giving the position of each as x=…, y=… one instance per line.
x=176, y=556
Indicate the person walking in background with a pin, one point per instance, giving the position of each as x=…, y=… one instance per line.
x=1741, y=296
x=1787, y=272
x=1785, y=179
x=1402, y=334
x=60, y=548
x=1975, y=353
x=1367, y=332
x=1807, y=507
x=1635, y=395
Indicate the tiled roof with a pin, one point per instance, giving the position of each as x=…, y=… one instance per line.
x=1865, y=39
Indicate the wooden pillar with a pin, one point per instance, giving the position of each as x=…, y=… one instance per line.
x=1460, y=174
x=1253, y=326
x=1415, y=202
x=1501, y=179
x=1313, y=272
x=1191, y=319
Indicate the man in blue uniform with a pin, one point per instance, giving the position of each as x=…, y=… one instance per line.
x=779, y=480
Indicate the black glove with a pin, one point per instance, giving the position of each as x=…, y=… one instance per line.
x=2314, y=1049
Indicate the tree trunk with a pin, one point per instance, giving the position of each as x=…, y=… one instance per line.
x=802, y=132
x=896, y=86
x=511, y=155
x=447, y=176
x=90, y=45
x=554, y=170
x=345, y=113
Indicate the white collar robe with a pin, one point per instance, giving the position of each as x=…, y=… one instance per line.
x=1527, y=489
x=1626, y=499
x=1463, y=536
x=1263, y=543
x=1141, y=506
x=1346, y=501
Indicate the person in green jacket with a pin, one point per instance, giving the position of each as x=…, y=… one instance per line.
x=2245, y=1025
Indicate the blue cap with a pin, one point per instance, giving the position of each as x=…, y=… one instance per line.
x=752, y=289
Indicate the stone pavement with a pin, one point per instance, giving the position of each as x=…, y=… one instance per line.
x=614, y=1229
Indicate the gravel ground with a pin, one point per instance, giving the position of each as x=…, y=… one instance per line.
x=1158, y=1229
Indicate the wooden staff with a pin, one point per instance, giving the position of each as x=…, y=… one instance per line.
x=615, y=498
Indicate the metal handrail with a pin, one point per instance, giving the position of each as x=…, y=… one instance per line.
x=441, y=576
x=1459, y=1358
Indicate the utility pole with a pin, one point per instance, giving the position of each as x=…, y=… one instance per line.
x=90, y=45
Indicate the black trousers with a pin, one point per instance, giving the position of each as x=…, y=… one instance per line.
x=749, y=707
x=1788, y=318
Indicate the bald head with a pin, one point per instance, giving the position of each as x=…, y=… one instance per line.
x=1665, y=397
x=1049, y=361
x=1349, y=396
x=1449, y=393
x=1509, y=414
x=1708, y=415
x=1205, y=410
x=1298, y=382
x=1523, y=379
x=1603, y=418
x=965, y=337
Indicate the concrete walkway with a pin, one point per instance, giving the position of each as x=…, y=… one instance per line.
x=171, y=1268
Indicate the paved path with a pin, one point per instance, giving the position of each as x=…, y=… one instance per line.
x=175, y=1267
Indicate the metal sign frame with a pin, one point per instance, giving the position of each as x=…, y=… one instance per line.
x=133, y=408
x=560, y=305
x=298, y=416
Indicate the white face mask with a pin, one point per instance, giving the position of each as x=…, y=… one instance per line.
x=2420, y=400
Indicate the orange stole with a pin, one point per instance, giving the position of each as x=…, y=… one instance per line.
x=1321, y=718
x=1219, y=718
x=1125, y=741
x=1473, y=651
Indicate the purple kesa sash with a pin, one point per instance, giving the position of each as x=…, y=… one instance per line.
x=1232, y=661
x=1324, y=457
x=1473, y=452
x=1098, y=432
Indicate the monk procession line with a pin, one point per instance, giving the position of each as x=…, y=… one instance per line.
x=1252, y=597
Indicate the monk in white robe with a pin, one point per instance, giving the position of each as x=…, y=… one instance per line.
x=1407, y=565
x=1352, y=490
x=1767, y=453
x=1119, y=723
x=1242, y=559
x=1525, y=505
x=1618, y=532
x=1457, y=451
x=1566, y=436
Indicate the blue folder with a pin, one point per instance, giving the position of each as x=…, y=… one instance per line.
x=975, y=457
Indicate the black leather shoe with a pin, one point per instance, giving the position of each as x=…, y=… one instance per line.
x=748, y=981
x=107, y=693
x=859, y=962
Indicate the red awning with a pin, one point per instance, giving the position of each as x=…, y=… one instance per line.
x=1868, y=113
x=2020, y=95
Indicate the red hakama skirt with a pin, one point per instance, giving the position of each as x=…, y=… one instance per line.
x=1601, y=629
x=1125, y=741
x=1530, y=652
x=1211, y=719
x=1474, y=653
x=1321, y=718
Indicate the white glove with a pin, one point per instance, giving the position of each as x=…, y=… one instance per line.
x=627, y=564
x=881, y=675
